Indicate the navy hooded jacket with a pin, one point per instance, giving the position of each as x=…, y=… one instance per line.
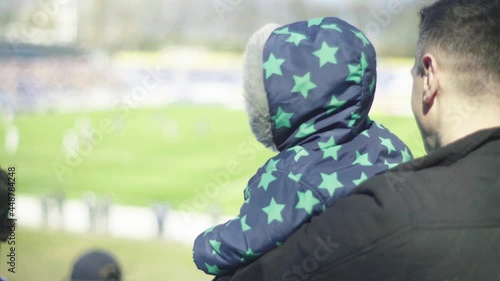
x=320, y=78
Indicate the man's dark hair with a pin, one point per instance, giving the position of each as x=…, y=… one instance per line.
x=467, y=33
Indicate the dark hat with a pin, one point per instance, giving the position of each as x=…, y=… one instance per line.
x=96, y=266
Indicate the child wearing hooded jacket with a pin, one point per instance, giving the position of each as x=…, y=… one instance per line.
x=309, y=87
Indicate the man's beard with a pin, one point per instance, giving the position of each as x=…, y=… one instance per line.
x=430, y=139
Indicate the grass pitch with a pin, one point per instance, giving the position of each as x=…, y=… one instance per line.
x=49, y=255
x=167, y=154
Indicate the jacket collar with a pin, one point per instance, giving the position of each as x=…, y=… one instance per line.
x=453, y=152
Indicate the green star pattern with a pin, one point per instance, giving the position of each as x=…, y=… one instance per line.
x=390, y=165
x=335, y=104
x=356, y=72
x=273, y=211
x=307, y=201
x=330, y=149
x=314, y=22
x=372, y=86
x=208, y=231
x=388, y=143
x=363, y=38
x=330, y=183
x=327, y=144
x=379, y=125
x=282, y=119
x=360, y=180
x=299, y=152
x=273, y=66
x=244, y=226
x=247, y=193
x=362, y=159
x=284, y=31
x=215, y=245
x=305, y=130
x=332, y=152
x=332, y=26
x=213, y=269
x=250, y=255
x=266, y=179
x=296, y=38
x=303, y=84
x=295, y=178
x=354, y=119
x=271, y=165
x=326, y=54
x=406, y=155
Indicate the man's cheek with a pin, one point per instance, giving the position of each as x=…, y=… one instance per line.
x=415, y=105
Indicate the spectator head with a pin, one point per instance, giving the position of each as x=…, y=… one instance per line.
x=457, y=70
x=4, y=206
x=96, y=266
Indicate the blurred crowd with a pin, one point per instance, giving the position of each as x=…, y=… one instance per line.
x=26, y=82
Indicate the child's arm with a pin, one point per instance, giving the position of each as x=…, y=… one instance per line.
x=277, y=203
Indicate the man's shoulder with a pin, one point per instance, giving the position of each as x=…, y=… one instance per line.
x=403, y=190
x=463, y=192
x=400, y=179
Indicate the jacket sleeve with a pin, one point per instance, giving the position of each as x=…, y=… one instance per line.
x=276, y=205
x=361, y=237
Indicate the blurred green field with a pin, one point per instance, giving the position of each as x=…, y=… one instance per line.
x=146, y=161
x=49, y=255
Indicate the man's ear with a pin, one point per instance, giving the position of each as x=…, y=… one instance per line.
x=431, y=81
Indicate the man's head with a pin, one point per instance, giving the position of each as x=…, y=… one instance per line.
x=457, y=70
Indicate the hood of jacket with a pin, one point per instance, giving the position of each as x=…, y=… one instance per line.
x=309, y=81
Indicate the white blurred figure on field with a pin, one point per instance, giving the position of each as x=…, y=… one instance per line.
x=71, y=143
x=45, y=206
x=102, y=214
x=161, y=211
x=85, y=129
x=91, y=202
x=169, y=127
x=173, y=129
x=12, y=136
x=119, y=123
x=59, y=198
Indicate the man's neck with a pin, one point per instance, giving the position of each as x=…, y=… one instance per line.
x=469, y=122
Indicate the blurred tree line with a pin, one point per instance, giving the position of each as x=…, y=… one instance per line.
x=221, y=24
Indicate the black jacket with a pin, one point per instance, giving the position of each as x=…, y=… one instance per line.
x=436, y=218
